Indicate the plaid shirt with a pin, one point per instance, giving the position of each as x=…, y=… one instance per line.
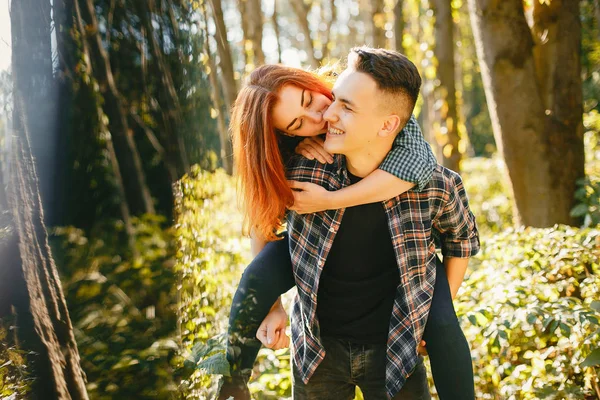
x=411, y=158
x=413, y=217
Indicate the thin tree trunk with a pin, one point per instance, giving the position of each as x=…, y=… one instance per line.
x=123, y=204
x=378, y=21
x=535, y=103
x=175, y=152
x=399, y=25
x=597, y=15
x=252, y=28
x=446, y=91
x=225, y=60
x=130, y=164
x=226, y=149
x=276, y=30
x=301, y=9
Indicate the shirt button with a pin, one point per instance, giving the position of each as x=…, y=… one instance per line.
x=332, y=229
x=321, y=262
x=313, y=296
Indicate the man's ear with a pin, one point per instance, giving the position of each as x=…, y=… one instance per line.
x=390, y=125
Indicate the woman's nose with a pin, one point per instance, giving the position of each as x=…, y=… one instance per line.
x=315, y=116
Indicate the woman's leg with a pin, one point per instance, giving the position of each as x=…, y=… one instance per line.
x=267, y=277
x=449, y=352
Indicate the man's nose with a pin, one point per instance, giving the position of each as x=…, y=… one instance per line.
x=329, y=115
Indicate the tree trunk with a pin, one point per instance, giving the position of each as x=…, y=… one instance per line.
x=535, y=102
x=123, y=204
x=399, y=26
x=276, y=30
x=446, y=90
x=252, y=27
x=31, y=24
x=175, y=154
x=378, y=21
x=56, y=359
x=226, y=149
x=225, y=60
x=301, y=9
x=130, y=164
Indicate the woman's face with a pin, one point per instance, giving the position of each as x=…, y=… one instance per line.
x=299, y=112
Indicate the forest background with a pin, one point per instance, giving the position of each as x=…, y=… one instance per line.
x=120, y=238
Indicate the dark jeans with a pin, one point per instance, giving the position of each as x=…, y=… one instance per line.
x=347, y=365
x=270, y=274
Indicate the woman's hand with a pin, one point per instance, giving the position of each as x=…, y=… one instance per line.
x=312, y=148
x=271, y=331
x=309, y=197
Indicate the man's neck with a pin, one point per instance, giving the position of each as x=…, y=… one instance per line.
x=365, y=161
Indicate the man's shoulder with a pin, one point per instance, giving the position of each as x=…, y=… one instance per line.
x=443, y=179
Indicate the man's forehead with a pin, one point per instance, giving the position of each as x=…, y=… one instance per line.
x=352, y=82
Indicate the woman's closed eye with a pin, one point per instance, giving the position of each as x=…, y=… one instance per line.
x=310, y=100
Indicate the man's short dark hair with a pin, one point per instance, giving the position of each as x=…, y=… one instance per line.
x=392, y=71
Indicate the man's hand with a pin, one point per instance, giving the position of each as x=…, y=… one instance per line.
x=271, y=331
x=309, y=197
x=313, y=148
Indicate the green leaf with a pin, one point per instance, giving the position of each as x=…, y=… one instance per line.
x=579, y=210
x=215, y=365
x=592, y=360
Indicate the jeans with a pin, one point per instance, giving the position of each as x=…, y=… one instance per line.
x=270, y=275
x=347, y=365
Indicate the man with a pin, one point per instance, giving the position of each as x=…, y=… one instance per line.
x=366, y=275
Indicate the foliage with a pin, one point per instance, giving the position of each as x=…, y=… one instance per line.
x=588, y=193
x=486, y=183
x=14, y=374
x=123, y=309
x=211, y=255
x=529, y=307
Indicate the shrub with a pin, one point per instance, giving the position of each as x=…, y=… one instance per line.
x=529, y=309
x=123, y=308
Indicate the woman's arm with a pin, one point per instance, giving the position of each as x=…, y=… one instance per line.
x=409, y=163
x=377, y=186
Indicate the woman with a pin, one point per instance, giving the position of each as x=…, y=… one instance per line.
x=277, y=105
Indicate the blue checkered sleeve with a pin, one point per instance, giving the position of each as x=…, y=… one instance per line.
x=411, y=158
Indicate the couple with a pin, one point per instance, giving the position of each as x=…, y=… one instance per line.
x=360, y=247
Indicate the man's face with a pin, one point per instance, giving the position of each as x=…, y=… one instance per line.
x=355, y=116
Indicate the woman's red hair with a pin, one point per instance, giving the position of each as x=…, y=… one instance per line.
x=263, y=189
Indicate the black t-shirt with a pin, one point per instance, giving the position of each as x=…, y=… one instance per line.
x=359, y=279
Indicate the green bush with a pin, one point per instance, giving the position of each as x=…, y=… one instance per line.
x=123, y=308
x=529, y=317
x=211, y=257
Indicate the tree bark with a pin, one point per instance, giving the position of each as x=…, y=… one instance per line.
x=130, y=164
x=226, y=149
x=301, y=9
x=225, y=60
x=399, y=25
x=378, y=21
x=276, y=30
x=534, y=94
x=252, y=27
x=31, y=24
x=57, y=358
x=446, y=90
x=175, y=153
x=123, y=204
